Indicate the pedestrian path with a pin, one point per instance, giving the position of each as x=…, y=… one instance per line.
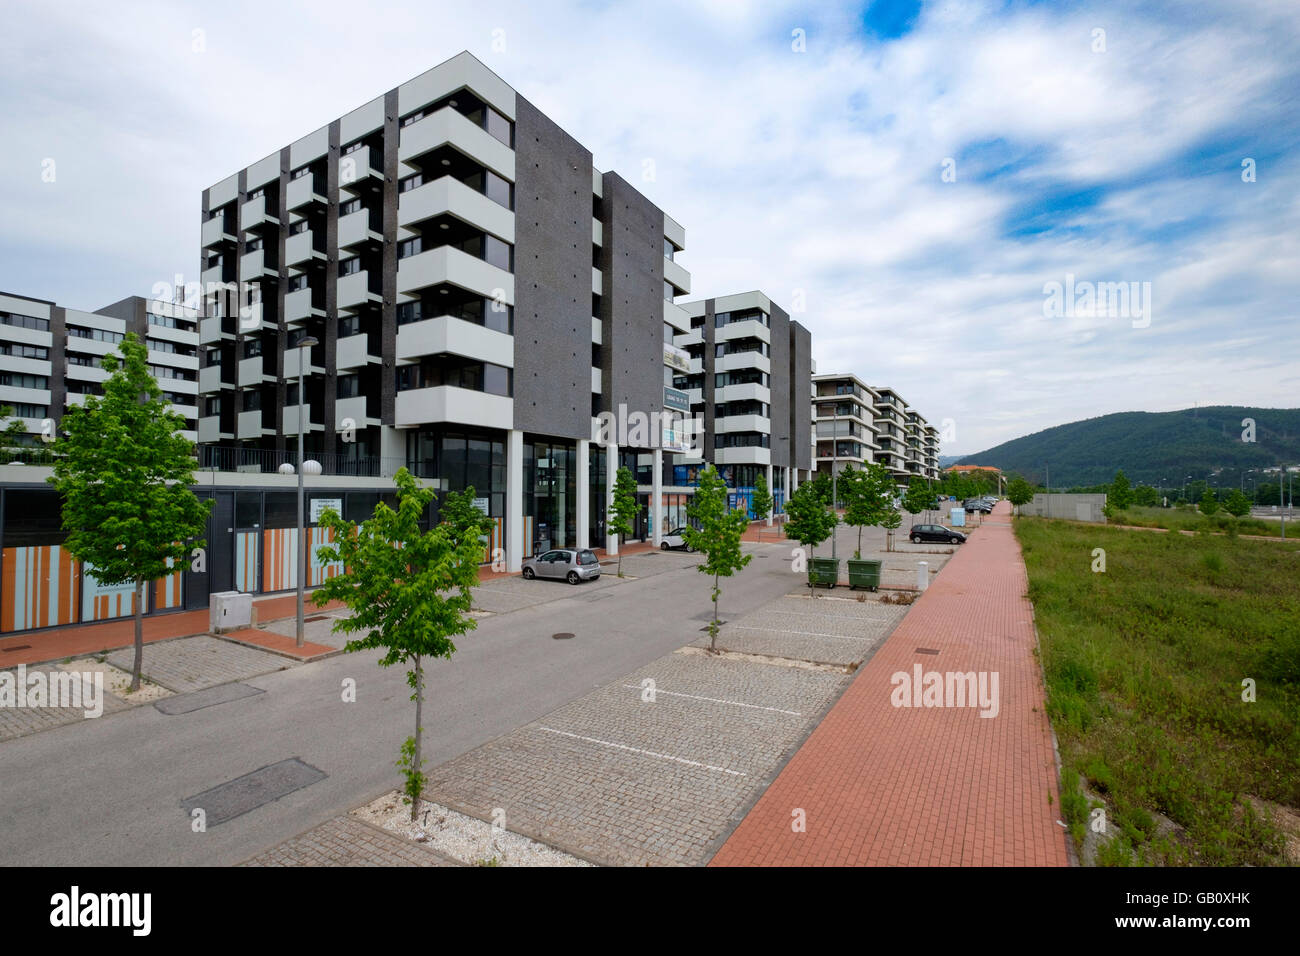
x=880, y=783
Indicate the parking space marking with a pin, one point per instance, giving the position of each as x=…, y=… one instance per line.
x=782, y=630
x=646, y=753
x=717, y=700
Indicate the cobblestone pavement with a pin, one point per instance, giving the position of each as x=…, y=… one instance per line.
x=20, y=721
x=314, y=631
x=882, y=784
x=345, y=841
x=192, y=663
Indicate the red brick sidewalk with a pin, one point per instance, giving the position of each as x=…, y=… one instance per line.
x=927, y=786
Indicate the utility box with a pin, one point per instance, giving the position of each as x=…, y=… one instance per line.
x=229, y=611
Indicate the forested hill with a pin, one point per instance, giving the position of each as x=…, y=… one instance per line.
x=1153, y=447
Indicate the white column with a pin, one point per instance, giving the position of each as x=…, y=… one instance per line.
x=514, y=500
x=770, y=486
x=611, y=470
x=787, y=485
x=794, y=480
x=583, y=484
x=657, y=500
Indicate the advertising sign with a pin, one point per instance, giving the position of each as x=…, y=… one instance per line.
x=676, y=399
x=318, y=506
x=680, y=359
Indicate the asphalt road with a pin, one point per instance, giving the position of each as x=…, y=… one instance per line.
x=109, y=791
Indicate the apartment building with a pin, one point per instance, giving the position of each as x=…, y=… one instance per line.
x=50, y=355
x=749, y=369
x=467, y=294
x=859, y=424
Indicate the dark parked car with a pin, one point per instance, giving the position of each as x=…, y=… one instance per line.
x=934, y=532
x=565, y=564
x=978, y=504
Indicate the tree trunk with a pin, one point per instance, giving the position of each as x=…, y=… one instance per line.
x=713, y=631
x=419, y=713
x=139, y=635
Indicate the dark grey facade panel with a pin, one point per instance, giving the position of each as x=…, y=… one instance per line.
x=633, y=300
x=331, y=340
x=781, y=387
x=388, y=333
x=553, y=205
x=800, y=389
x=707, y=392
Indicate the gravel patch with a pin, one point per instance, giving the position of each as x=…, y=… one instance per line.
x=461, y=837
x=116, y=680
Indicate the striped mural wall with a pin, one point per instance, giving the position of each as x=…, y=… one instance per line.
x=280, y=558
x=167, y=592
x=100, y=602
x=494, y=540
x=38, y=587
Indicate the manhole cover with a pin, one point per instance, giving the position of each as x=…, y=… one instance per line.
x=926, y=650
x=562, y=636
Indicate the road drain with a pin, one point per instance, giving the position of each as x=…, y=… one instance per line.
x=562, y=636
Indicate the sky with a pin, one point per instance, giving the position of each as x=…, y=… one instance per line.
x=934, y=189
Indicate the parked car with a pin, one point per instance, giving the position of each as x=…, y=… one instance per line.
x=566, y=564
x=674, y=540
x=978, y=504
x=934, y=532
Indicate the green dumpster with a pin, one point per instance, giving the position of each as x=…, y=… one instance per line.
x=825, y=571
x=864, y=573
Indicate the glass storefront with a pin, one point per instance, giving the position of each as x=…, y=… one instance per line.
x=550, y=494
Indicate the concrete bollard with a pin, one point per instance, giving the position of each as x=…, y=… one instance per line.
x=922, y=575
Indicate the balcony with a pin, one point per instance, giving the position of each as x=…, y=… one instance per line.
x=448, y=127
x=354, y=229
x=677, y=317
x=250, y=372
x=255, y=213
x=210, y=330
x=210, y=429
x=291, y=413
x=687, y=339
x=249, y=425
x=300, y=249
x=291, y=363
x=743, y=360
x=596, y=380
x=676, y=275
x=302, y=192
x=597, y=233
x=355, y=170
x=597, y=281
x=297, y=306
x=352, y=411
x=446, y=264
x=254, y=265
x=752, y=455
x=449, y=195
x=210, y=379
x=742, y=423
x=745, y=329
x=743, y=393
x=353, y=351
x=456, y=336
x=214, y=232
x=447, y=403
x=597, y=331
x=354, y=291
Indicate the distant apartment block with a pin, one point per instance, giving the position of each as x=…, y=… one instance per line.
x=860, y=424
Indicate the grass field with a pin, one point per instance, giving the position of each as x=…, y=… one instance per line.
x=1176, y=520
x=1145, y=663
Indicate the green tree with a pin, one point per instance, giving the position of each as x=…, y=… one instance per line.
x=715, y=533
x=810, y=520
x=13, y=437
x=762, y=501
x=124, y=471
x=1019, y=492
x=464, y=520
x=1146, y=496
x=1120, y=496
x=623, y=510
x=409, y=592
x=1236, y=504
x=867, y=499
x=1209, y=502
x=917, y=498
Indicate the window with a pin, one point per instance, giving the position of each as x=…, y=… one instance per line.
x=212, y=405
x=22, y=380
x=252, y=348
x=349, y=386
x=24, y=351
x=669, y=248
x=353, y=147
x=166, y=371
x=257, y=194
x=25, y=321
x=497, y=189
x=27, y=410
x=253, y=401
x=496, y=252
x=350, y=267
x=297, y=283
x=96, y=335
x=169, y=322
x=669, y=291
x=410, y=247
x=298, y=227
x=410, y=312
x=498, y=126
x=349, y=325
x=171, y=348
x=410, y=182
x=299, y=173
x=351, y=206
x=90, y=361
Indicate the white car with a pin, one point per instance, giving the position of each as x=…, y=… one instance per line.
x=674, y=540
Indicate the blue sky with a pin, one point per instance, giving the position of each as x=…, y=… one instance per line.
x=813, y=172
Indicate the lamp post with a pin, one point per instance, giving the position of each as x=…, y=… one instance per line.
x=304, y=356
x=835, y=457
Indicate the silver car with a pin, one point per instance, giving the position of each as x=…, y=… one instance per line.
x=566, y=564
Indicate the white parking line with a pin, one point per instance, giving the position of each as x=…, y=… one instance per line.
x=718, y=700
x=782, y=630
x=646, y=753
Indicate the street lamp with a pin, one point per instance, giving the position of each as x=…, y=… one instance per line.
x=304, y=356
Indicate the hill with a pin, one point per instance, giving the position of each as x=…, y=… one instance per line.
x=1153, y=447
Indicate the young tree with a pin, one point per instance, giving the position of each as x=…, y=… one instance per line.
x=715, y=533
x=762, y=503
x=1019, y=492
x=623, y=510
x=1146, y=496
x=810, y=521
x=867, y=499
x=917, y=497
x=1236, y=504
x=1120, y=496
x=409, y=592
x=464, y=520
x=1209, y=502
x=124, y=471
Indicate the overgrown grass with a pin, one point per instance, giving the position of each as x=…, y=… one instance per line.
x=1179, y=520
x=1144, y=665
